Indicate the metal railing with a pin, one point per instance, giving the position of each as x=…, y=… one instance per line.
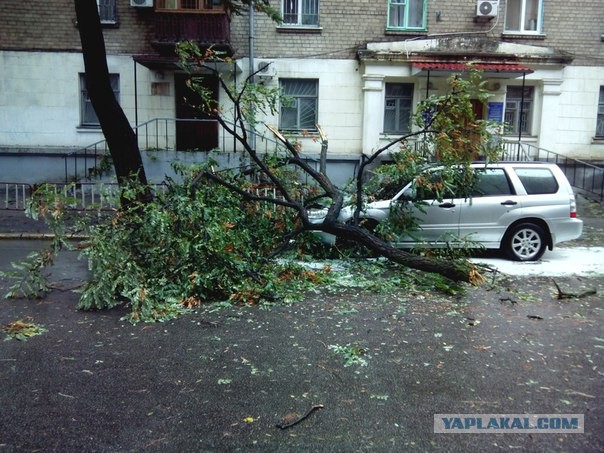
x=157, y=135
x=89, y=196
x=86, y=164
x=14, y=196
x=515, y=151
x=582, y=175
x=98, y=196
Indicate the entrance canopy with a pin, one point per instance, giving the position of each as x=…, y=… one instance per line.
x=501, y=70
x=158, y=62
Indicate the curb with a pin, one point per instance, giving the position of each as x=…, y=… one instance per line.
x=39, y=236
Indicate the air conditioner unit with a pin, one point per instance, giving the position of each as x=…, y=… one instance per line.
x=487, y=8
x=142, y=3
x=266, y=69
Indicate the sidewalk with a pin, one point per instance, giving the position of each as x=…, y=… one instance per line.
x=15, y=224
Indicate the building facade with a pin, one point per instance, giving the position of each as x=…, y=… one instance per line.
x=357, y=69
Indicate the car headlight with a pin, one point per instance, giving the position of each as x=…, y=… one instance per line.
x=317, y=214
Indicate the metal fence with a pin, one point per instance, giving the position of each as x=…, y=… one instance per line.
x=14, y=196
x=86, y=196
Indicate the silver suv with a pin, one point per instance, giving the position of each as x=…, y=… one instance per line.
x=521, y=208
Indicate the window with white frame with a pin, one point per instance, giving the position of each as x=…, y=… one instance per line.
x=300, y=12
x=518, y=109
x=407, y=14
x=397, y=108
x=299, y=110
x=600, y=118
x=88, y=117
x=107, y=11
x=524, y=16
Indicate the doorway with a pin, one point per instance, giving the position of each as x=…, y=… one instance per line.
x=478, y=109
x=194, y=129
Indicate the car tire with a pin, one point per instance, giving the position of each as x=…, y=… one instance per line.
x=525, y=242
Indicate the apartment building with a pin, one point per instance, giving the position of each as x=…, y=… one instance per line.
x=357, y=68
x=369, y=64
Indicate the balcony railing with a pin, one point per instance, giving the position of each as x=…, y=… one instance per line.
x=210, y=29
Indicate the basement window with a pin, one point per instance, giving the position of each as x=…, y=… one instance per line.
x=189, y=6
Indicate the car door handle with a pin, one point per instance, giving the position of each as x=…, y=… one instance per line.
x=509, y=203
x=446, y=205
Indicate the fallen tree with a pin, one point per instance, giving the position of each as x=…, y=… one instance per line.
x=448, y=121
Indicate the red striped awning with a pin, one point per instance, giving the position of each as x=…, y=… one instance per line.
x=502, y=68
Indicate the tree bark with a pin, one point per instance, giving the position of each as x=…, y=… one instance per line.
x=452, y=270
x=121, y=139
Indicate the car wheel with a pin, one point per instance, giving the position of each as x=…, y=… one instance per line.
x=525, y=242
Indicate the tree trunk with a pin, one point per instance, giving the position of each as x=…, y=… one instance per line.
x=452, y=270
x=121, y=139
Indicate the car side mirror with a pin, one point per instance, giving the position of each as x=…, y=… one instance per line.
x=409, y=194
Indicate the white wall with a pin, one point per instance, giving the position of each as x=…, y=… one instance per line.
x=576, y=118
x=340, y=105
x=40, y=99
x=40, y=102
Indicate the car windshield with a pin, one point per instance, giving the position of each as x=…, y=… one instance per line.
x=481, y=182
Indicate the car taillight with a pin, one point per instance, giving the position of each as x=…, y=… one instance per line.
x=573, y=208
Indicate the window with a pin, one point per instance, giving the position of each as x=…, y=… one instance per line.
x=537, y=180
x=524, y=16
x=491, y=182
x=88, y=116
x=301, y=12
x=300, y=110
x=397, y=108
x=407, y=14
x=518, y=110
x=600, y=120
x=107, y=11
x=190, y=6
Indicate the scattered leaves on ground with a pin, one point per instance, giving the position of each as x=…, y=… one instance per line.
x=21, y=330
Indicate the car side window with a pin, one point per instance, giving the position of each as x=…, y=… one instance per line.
x=491, y=182
x=537, y=180
x=432, y=187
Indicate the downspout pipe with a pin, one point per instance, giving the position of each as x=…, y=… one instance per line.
x=521, y=114
x=135, y=100
x=251, y=68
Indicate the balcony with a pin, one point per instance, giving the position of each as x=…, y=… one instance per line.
x=204, y=29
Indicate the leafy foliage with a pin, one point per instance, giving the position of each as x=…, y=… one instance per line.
x=28, y=276
x=189, y=246
x=29, y=280
x=454, y=134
